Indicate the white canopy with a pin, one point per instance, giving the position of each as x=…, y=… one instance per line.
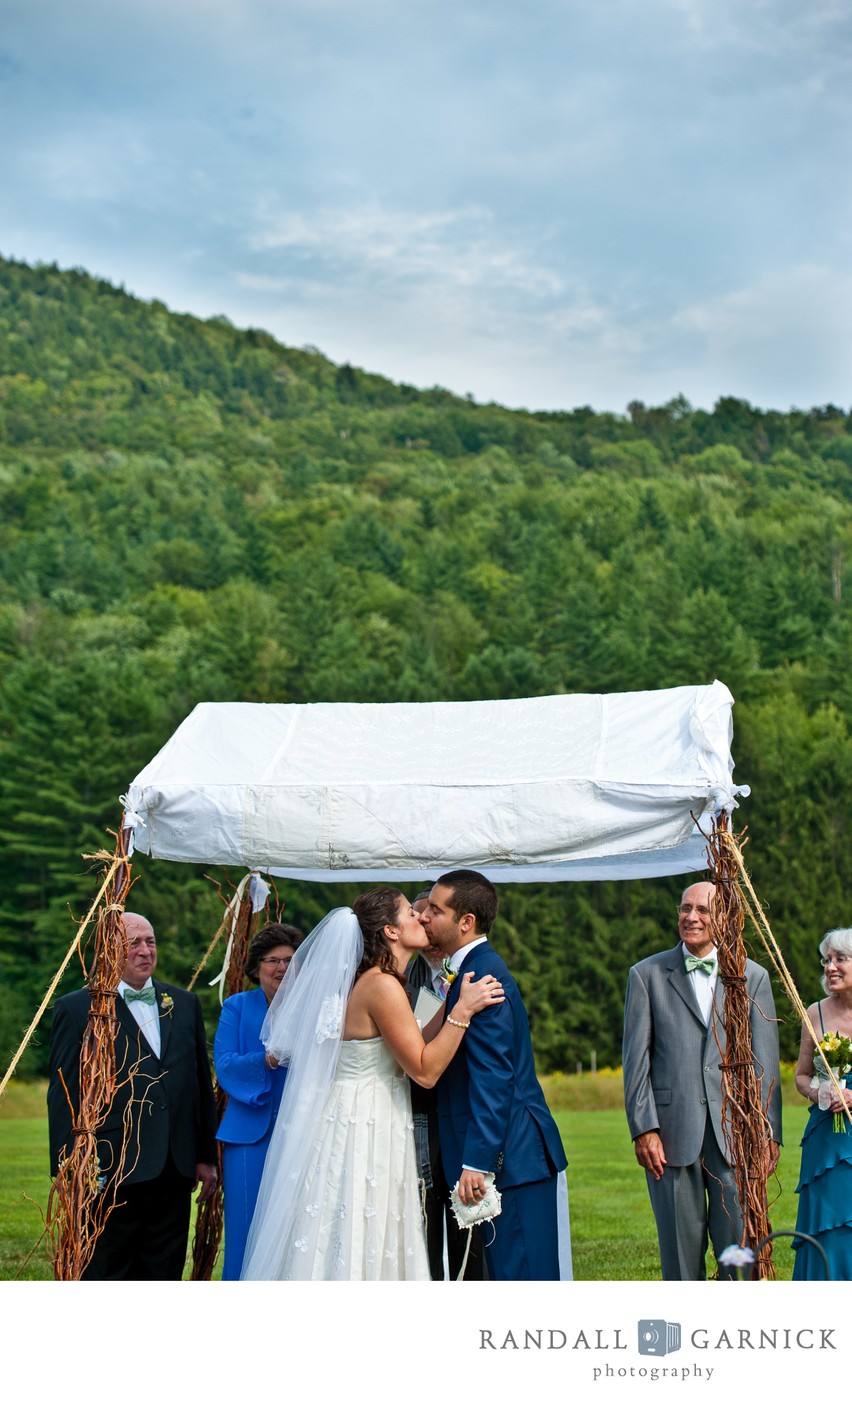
x=554, y=787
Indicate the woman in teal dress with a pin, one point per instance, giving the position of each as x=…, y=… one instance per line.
x=825, y=1178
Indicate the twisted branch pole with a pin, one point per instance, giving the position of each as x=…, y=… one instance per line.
x=757, y=916
x=115, y=863
x=79, y=1201
x=210, y=1223
x=744, y=1118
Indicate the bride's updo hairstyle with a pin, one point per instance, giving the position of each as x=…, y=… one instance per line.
x=376, y=910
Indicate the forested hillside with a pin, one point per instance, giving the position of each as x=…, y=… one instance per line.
x=192, y=512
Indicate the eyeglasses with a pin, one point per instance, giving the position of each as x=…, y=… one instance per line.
x=686, y=907
x=276, y=961
x=836, y=961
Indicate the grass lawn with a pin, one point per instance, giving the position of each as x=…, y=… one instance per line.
x=612, y=1229
x=613, y=1236
x=23, y=1181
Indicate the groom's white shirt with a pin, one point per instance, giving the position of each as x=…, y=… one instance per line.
x=459, y=957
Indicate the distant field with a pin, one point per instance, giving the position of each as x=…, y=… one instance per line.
x=612, y=1229
x=602, y=1091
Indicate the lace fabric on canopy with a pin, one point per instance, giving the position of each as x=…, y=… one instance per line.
x=303, y=1029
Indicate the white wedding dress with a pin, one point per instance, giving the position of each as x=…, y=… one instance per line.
x=358, y=1211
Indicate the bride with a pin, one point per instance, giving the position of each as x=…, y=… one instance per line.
x=339, y=1196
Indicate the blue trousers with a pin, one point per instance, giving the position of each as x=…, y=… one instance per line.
x=242, y=1169
x=525, y=1244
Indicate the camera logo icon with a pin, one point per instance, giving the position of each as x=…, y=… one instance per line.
x=657, y=1338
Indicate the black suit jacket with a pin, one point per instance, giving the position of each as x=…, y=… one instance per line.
x=174, y=1112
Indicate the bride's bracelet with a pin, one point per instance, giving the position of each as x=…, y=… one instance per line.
x=459, y=1024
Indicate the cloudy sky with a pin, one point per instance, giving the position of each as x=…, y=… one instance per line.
x=546, y=203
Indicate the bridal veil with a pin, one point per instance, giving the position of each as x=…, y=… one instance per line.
x=303, y=1029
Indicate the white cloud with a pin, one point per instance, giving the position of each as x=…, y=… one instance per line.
x=809, y=298
x=763, y=26
x=556, y=204
x=460, y=248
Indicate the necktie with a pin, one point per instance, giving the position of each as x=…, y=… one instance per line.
x=146, y=995
x=695, y=963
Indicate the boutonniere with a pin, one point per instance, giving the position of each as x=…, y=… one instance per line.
x=166, y=1002
x=447, y=971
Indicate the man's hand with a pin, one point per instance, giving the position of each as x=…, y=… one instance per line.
x=650, y=1154
x=471, y=1187
x=772, y=1155
x=208, y=1176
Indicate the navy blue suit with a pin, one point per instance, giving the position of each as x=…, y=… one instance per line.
x=254, y=1096
x=493, y=1117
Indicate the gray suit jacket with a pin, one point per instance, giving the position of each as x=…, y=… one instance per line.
x=672, y=1079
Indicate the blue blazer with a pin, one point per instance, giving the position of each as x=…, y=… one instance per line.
x=491, y=1110
x=241, y=1069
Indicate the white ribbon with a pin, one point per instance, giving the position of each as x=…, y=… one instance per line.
x=260, y=890
x=234, y=908
x=826, y=1090
x=130, y=820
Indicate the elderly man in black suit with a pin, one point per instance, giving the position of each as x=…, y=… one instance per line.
x=163, y=1069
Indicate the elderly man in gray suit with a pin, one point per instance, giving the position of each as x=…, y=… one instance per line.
x=673, y=1087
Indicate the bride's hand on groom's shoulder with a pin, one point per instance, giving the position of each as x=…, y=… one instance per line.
x=479, y=995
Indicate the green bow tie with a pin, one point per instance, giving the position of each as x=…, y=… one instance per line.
x=695, y=963
x=146, y=995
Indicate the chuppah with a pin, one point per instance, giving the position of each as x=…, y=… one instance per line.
x=546, y=789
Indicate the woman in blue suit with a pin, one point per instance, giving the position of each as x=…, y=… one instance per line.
x=253, y=1082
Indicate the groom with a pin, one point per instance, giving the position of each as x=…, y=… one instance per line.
x=491, y=1110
